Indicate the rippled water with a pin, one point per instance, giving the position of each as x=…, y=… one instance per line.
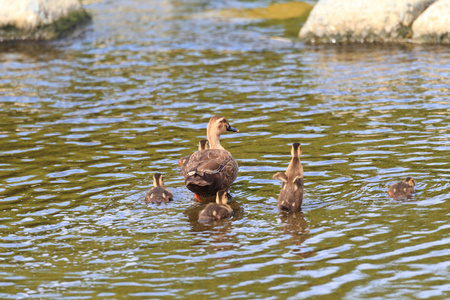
x=85, y=124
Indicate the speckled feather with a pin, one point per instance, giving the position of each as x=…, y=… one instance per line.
x=202, y=145
x=210, y=171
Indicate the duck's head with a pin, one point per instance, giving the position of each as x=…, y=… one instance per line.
x=203, y=145
x=158, y=180
x=410, y=181
x=221, y=197
x=219, y=125
x=296, y=150
x=216, y=126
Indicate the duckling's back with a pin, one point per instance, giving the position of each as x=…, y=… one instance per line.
x=401, y=190
x=291, y=196
x=214, y=211
x=158, y=195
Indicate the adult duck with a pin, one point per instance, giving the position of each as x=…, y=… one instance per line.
x=291, y=194
x=209, y=171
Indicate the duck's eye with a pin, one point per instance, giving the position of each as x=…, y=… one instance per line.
x=224, y=124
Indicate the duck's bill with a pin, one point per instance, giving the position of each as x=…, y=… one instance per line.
x=232, y=129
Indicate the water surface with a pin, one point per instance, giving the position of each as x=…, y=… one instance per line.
x=86, y=123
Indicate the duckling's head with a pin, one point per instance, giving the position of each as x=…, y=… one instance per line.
x=158, y=180
x=218, y=125
x=221, y=197
x=203, y=145
x=296, y=150
x=183, y=161
x=410, y=181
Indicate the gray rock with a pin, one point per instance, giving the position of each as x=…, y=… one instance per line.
x=39, y=19
x=433, y=25
x=350, y=21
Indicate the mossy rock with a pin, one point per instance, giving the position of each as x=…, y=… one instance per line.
x=61, y=28
x=434, y=39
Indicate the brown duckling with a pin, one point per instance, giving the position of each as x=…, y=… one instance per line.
x=209, y=171
x=202, y=145
x=402, y=189
x=291, y=194
x=158, y=193
x=218, y=210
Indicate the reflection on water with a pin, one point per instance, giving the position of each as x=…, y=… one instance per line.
x=85, y=125
x=278, y=11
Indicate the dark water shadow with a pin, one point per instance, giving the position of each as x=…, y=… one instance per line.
x=43, y=50
x=294, y=224
x=193, y=211
x=215, y=235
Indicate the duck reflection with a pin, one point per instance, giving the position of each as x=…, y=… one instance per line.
x=294, y=223
x=23, y=50
x=216, y=233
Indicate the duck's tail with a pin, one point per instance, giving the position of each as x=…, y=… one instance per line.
x=196, y=180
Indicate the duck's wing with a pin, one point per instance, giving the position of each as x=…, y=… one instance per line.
x=209, y=171
x=207, y=213
x=210, y=162
x=280, y=176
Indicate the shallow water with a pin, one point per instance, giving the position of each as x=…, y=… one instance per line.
x=85, y=124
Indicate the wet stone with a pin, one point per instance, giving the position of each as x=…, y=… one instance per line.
x=354, y=21
x=433, y=26
x=40, y=20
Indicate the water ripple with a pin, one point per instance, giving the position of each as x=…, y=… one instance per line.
x=86, y=124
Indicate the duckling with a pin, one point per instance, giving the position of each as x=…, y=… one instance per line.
x=291, y=195
x=211, y=170
x=158, y=193
x=202, y=145
x=218, y=210
x=402, y=189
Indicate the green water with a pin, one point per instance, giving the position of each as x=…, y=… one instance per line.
x=86, y=123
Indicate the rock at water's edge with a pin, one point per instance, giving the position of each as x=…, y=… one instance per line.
x=354, y=21
x=40, y=19
x=433, y=25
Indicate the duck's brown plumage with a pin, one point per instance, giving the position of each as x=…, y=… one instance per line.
x=202, y=145
x=216, y=211
x=158, y=193
x=291, y=194
x=209, y=171
x=402, y=189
